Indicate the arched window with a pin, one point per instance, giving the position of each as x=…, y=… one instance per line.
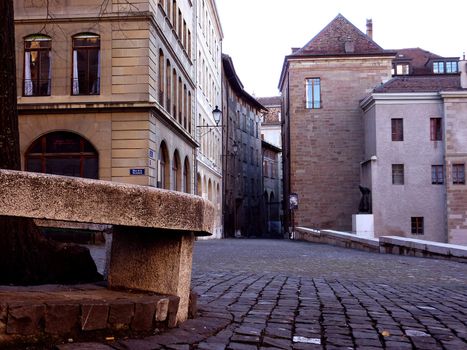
x=163, y=175
x=199, y=187
x=210, y=190
x=37, y=66
x=186, y=176
x=63, y=153
x=176, y=172
x=86, y=64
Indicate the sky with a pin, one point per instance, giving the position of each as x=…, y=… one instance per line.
x=258, y=34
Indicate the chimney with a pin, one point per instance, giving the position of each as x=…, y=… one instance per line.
x=369, y=28
x=463, y=70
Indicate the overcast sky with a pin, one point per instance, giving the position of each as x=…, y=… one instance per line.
x=259, y=33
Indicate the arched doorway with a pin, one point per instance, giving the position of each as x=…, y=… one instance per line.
x=176, y=170
x=63, y=153
x=163, y=178
x=199, y=187
x=186, y=176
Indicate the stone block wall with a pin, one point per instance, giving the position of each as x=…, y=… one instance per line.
x=326, y=144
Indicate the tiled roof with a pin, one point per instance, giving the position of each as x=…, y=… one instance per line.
x=418, y=59
x=270, y=101
x=334, y=38
x=431, y=83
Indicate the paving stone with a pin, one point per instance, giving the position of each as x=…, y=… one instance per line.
x=121, y=313
x=25, y=319
x=61, y=318
x=94, y=316
x=84, y=346
x=144, y=316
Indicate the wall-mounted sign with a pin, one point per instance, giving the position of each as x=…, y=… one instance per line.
x=151, y=154
x=137, y=171
x=293, y=201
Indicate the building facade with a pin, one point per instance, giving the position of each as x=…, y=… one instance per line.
x=272, y=190
x=414, y=150
x=390, y=121
x=322, y=85
x=241, y=156
x=107, y=98
x=209, y=67
x=271, y=135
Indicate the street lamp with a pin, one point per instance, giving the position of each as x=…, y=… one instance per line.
x=217, y=114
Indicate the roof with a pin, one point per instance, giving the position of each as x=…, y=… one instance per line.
x=270, y=101
x=332, y=40
x=236, y=84
x=429, y=83
x=265, y=144
x=418, y=59
x=340, y=38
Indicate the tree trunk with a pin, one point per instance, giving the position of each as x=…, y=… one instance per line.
x=26, y=256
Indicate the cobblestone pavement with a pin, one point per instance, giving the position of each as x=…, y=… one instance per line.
x=264, y=294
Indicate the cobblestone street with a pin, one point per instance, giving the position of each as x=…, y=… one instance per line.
x=266, y=294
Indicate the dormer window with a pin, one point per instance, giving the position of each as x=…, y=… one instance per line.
x=451, y=67
x=438, y=67
x=447, y=67
x=402, y=69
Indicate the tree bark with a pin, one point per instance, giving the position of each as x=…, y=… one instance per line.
x=26, y=256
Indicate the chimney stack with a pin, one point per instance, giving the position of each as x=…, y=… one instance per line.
x=369, y=28
x=463, y=70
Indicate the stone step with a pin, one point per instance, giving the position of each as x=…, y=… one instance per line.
x=54, y=313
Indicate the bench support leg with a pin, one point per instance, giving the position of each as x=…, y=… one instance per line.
x=153, y=260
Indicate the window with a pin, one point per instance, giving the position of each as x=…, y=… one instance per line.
x=438, y=67
x=63, y=153
x=402, y=69
x=161, y=77
x=435, y=129
x=313, y=93
x=398, y=174
x=437, y=175
x=186, y=187
x=397, y=129
x=451, y=67
x=86, y=66
x=163, y=175
x=168, y=86
x=176, y=176
x=37, y=69
x=458, y=174
x=416, y=225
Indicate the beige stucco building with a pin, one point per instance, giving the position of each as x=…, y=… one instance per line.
x=106, y=90
x=208, y=96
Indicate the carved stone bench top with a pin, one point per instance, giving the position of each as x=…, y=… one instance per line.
x=44, y=196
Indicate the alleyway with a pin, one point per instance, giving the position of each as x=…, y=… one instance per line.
x=266, y=294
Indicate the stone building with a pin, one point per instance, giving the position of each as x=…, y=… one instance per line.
x=415, y=146
x=209, y=67
x=241, y=156
x=391, y=121
x=272, y=190
x=271, y=134
x=322, y=84
x=106, y=90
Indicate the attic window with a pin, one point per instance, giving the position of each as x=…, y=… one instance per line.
x=402, y=69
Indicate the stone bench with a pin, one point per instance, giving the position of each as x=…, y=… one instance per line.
x=153, y=229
